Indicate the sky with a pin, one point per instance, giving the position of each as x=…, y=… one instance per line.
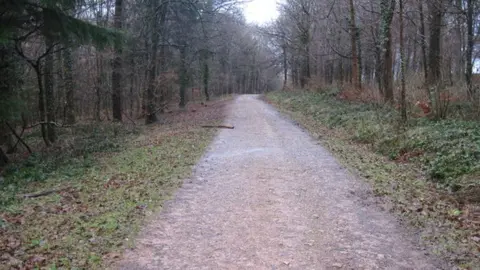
x=261, y=11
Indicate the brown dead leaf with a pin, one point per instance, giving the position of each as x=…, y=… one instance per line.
x=12, y=243
x=115, y=181
x=111, y=257
x=10, y=261
x=14, y=219
x=34, y=261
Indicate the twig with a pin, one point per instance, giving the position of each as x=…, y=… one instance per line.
x=18, y=137
x=154, y=112
x=129, y=118
x=159, y=109
x=219, y=126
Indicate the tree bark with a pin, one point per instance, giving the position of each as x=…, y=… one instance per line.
x=360, y=59
x=117, y=87
x=151, y=116
x=49, y=93
x=285, y=67
x=353, y=36
x=70, y=86
x=305, y=74
x=387, y=9
x=423, y=38
x=434, y=54
x=3, y=158
x=183, y=76
x=206, y=77
x=402, y=65
x=41, y=102
x=469, y=51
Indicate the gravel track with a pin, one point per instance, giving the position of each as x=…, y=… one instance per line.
x=267, y=196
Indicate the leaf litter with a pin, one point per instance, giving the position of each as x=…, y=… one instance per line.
x=88, y=224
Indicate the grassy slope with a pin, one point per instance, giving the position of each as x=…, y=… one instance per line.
x=429, y=172
x=113, y=180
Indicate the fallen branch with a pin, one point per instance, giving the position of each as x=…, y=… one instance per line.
x=43, y=193
x=219, y=126
x=47, y=123
x=21, y=134
x=18, y=137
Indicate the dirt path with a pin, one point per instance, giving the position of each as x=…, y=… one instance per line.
x=267, y=196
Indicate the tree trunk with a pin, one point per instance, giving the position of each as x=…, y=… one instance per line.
x=98, y=87
x=69, y=85
x=434, y=57
x=3, y=158
x=402, y=66
x=459, y=44
x=354, y=43
x=206, y=78
x=387, y=9
x=117, y=86
x=423, y=38
x=49, y=93
x=378, y=64
x=285, y=67
x=360, y=59
x=133, y=69
x=151, y=116
x=305, y=70
x=162, y=58
x=470, y=43
x=183, y=76
x=41, y=103
x=294, y=72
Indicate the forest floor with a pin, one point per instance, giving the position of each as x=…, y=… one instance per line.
x=266, y=195
x=107, y=180
x=427, y=172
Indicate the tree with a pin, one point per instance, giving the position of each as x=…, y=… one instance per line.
x=403, y=101
x=69, y=85
x=300, y=14
x=423, y=40
x=356, y=77
x=117, y=84
x=60, y=46
x=469, y=48
x=434, y=53
x=387, y=8
x=157, y=24
x=49, y=98
x=48, y=21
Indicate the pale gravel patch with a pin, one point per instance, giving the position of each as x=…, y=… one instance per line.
x=267, y=196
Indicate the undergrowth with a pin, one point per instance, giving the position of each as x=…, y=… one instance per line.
x=429, y=170
x=106, y=179
x=448, y=150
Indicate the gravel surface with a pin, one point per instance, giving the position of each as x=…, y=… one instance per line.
x=267, y=196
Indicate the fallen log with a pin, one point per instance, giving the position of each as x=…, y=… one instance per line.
x=219, y=126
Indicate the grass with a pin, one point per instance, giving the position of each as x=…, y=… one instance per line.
x=427, y=172
x=110, y=178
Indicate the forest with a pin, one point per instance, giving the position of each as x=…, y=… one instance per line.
x=65, y=62
x=89, y=84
